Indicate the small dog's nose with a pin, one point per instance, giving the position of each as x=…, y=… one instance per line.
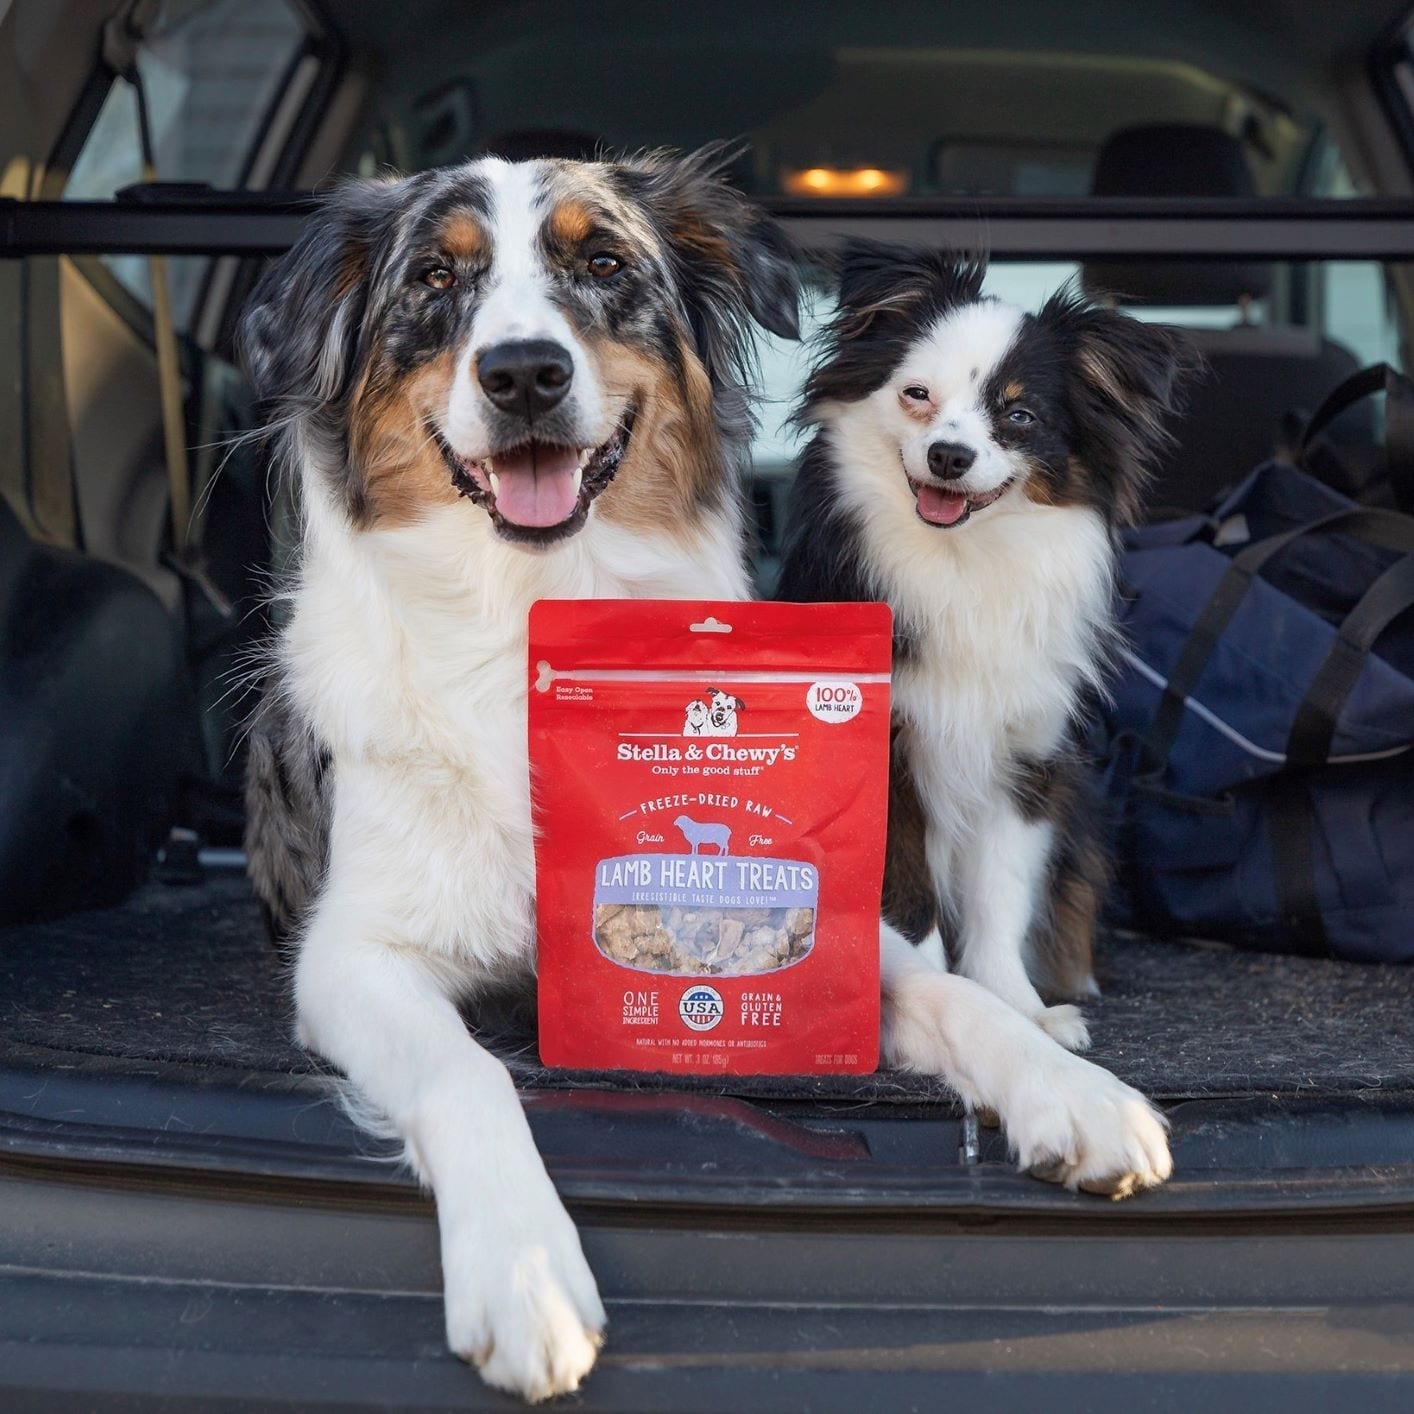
x=949, y=459
x=528, y=376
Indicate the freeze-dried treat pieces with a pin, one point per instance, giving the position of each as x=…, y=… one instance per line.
x=718, y=942
x=800, y=922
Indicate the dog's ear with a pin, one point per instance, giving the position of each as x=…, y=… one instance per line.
x=882, y=282
x=1127, y=383
x=740, y=705
x=301, y=332
x=888, y=296
x=729, y=259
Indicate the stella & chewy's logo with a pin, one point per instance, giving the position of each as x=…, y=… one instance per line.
x=701, y=1007
x=713, y=715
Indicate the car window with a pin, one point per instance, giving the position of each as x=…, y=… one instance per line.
x=883, y=99
x=1358, y=310
x=212, y=70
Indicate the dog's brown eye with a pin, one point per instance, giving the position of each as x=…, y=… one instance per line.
x=602, y=265
x=439, y=278
x=1021, y=417
x=917, y=392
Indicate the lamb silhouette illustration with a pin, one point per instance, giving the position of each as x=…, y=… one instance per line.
x=697, y=835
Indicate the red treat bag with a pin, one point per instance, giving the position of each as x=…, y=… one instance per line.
x=710, y=786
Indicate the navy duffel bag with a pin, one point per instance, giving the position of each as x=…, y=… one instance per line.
x=1257, y=750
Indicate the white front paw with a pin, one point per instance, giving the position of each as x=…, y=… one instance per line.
x=521, y=1302
x=1066, y=1025
x=1077, y=1125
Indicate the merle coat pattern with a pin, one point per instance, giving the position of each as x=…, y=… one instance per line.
x=490, y=385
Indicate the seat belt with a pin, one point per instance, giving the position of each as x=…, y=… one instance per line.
x=169, y=378
x=37, y=465
x=48, y=448
x=121, y=38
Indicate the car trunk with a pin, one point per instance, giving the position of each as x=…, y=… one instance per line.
x=188, y=1216
x=180, y=979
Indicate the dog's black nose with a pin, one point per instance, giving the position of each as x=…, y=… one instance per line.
x=950, y=459
x=528, y=376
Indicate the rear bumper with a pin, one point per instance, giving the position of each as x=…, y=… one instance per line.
x=197, y=1244
x=115, y=1298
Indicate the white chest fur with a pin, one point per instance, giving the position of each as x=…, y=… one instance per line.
x=407, y=652
x=1008, y=615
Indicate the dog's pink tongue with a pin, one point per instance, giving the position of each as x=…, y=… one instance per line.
x=536, y=487
x=941, y=507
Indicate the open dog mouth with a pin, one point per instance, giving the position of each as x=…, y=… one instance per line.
x=538, y=492
x=949, y=508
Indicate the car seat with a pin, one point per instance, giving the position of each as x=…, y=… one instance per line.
x=95, y=717
x=1258, y=374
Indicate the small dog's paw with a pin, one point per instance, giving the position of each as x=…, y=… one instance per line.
x=1081, y=1127
x=1066, y=1025
x=522, y=1305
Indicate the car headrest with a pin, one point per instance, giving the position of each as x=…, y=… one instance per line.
x=524, y=144
x=1175, y=159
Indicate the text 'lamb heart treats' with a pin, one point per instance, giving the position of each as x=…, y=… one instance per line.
x=710, y=788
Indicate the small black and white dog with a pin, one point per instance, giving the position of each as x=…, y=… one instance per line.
x=972, y=466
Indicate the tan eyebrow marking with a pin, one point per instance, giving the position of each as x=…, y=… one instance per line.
x=572, y=221
x=1012, y=391
x=463, y=237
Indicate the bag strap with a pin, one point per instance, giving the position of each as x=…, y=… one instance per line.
x=1313, y=726
x=1291, y=827
x=1387, y=529
x=1399, y=425
x=1291, y=819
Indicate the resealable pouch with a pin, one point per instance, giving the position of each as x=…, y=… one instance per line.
x=710, y=793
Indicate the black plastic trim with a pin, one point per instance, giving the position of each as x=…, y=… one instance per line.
x=1393, y=49
x=177, y=221
x=1235, y=1158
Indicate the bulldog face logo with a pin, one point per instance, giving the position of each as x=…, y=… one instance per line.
x=722, y=709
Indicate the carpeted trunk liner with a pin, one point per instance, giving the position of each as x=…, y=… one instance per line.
x=184, y=974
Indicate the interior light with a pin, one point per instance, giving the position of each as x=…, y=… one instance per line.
x=844, y=181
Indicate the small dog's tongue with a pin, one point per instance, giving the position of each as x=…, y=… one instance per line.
x=536, y=487
x=941, y=507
